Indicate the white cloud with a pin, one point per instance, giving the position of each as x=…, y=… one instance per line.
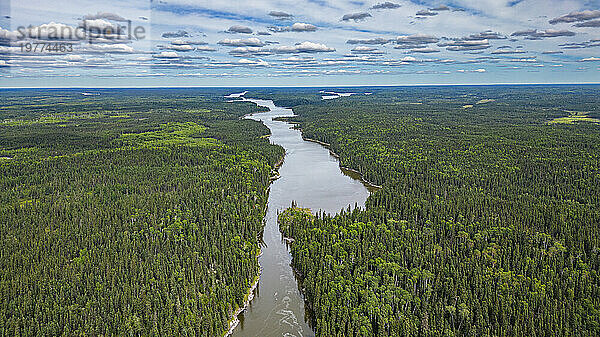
x=240, y=29
x=74, y=58
x=111, y=48
x=386, y=5
x=205, y=48
x=296, y=27
x=181, y=47
x=100, y=25
x=303, y=27
x=462, y=45
x=377, y=40
x=105, y=15
x=281, y=15
x=481, y=70
x=304, y=47
x=577, y=16
x=425, y=50
x=250, y=42
x=167, y=54
x=256, y=63
x=248, y=51
x=366, y=50
x=416, y=39
x=356, y=16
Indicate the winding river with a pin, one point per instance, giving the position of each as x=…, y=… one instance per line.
x=311, y=176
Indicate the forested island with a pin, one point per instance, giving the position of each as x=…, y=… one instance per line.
x=128, y=212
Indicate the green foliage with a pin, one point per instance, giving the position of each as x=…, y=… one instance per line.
x=487, y=223
x=143, y=225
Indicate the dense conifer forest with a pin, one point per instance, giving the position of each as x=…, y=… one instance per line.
x=128, y=212
x=488, y=222
x=139, y=212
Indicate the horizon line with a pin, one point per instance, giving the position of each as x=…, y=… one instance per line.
x=303, y=86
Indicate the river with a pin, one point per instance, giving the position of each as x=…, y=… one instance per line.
x=311, y=176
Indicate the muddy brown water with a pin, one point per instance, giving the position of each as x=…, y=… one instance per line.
x=311, y=176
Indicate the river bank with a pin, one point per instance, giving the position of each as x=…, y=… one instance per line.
x=234, y=321
x=311, y=176
x=360, y=175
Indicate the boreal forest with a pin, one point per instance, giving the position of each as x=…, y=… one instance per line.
x=487, y=223
x=139, y=212
x=128, y=212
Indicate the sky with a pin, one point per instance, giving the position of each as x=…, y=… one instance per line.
x=297, y=43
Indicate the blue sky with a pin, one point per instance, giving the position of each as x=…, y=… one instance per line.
x=300, y=43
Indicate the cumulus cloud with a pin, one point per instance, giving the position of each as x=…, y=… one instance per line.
x=581, y=45
x=296, y=59
x=100, y=25
x=281, y=15
x=250, y=51
x=7, y=35
x=574, y=45
x=593, y=23
x=105, y=15
x=416, y=42
x=74, y=58
x=425, y=50
x=182, y=42
x=366, y=50
x=441, y=8
x=524, y=60
x=463, y=45
x=205, y=48
x=377, y=40
x=111, y=48
x=167, y=54
x=487, y=35
x=525, y=32
x=356, y=16
x=304, y=47
x=554, y=33
x=255, y=63
x=386, y=5
x=303, y=27
x=240, y=29
x=508, y=51
x=426, y=12
x=250, y=42
x=534, y=34
x=416, y=39
x=181, y=47
x=576, y=17
x=481, y=70
x=177, y=34
x=296, y=27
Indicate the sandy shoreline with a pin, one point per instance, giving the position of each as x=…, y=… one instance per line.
x=233, y=323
